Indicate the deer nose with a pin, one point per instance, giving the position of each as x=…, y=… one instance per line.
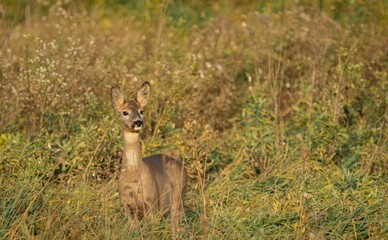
x=138, y=123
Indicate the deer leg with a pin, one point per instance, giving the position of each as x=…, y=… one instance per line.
x=176, y=212
x=132, y=218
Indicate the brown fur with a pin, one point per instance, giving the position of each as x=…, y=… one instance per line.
x=155, y=184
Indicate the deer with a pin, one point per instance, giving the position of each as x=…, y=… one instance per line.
x=152, y=185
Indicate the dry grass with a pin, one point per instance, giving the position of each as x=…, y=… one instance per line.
x=280, y=118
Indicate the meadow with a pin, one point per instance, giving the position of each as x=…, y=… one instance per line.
x=278, y=109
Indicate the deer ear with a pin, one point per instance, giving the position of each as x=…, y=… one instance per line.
x=143, y=94
x=117, y=97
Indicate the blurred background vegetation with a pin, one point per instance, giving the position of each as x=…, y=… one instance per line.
x=347, y=12
x=278, y=109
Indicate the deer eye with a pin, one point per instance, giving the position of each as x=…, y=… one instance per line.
x=141, y=112
x=125, y=113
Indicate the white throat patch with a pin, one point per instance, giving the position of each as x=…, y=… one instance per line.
x=132, y=149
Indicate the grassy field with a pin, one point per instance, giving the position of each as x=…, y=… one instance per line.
x=278, y=109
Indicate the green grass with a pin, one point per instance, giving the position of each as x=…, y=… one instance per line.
x=278, y=110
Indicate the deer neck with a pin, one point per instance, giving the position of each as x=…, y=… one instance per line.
x=132, y=151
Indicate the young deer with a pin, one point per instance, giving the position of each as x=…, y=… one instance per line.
x=150, y=185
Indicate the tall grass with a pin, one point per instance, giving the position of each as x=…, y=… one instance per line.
x=277, y=108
